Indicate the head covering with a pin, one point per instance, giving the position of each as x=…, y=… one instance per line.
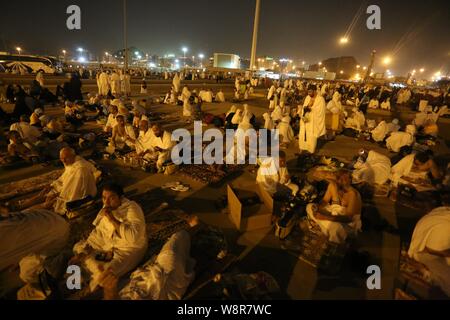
x=39, y=111
x=395, y=121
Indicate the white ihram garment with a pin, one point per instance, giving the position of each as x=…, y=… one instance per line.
x=314, y=128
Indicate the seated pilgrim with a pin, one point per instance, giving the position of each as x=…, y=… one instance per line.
x=160, y=145
x=166, y=276
x=372, y=168
x=220, y=97
x=416, y=168
x=123, y=137
x=143, y=140
x=111, y=122
x=430, y=245
x=401, y=138
x=29, y=133
x=273, y=176
x=380, y=131
x=339, y=213
x=118, y=242
x=19, y=150
x=78, y=181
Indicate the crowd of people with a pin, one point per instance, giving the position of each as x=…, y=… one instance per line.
x=305, y=114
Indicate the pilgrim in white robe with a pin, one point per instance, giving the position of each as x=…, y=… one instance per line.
x=267, y=174
x=27, y=132
x=111, y=122
x=176, y=82
x=120, y=141
x=115, y=83
x=208, y=96
x=220, y=97
x=103, y=83
x=237, y=118
x=143, y=141
x=379, y=133
x=400, y=139
x=402, y=168
x=432, y=232
x=373, y=104
x=268, y=122
x=375, y=170
x=314, y=127
x=386, y=105
x=32, y=231
x=128, y=244
x=187, y=108
x=166, y=277
x=285, y=130
x=392, y=126
x=77, y=182
x=165, y=143
x=336, y=232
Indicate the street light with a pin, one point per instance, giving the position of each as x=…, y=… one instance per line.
x=184, y=49
x=19, y=49
x=80, y=50
x=358, y=66
x=201, y=56
x=343, y=40
x=64, y=54
x=387, y=60
x=422, y=70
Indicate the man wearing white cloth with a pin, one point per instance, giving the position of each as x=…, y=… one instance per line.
x=119, y=240
x=76, y=183
x=400, y=139
x=312, y=122
x=161, y=145
x=176, y=82
x=103, y=84
x=372, y=168
x=430, y=245
x=339, y=214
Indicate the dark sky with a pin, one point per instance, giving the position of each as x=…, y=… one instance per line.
x=297, y=29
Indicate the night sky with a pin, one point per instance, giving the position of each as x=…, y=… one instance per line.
x=296, y=29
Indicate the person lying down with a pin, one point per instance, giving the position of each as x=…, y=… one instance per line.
x=164, y=277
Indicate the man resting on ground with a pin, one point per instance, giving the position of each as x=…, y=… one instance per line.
x=118, y=242
x=339, y=213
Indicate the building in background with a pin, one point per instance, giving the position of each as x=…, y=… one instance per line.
x=226, y=60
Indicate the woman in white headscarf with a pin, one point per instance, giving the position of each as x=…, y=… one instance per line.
x=268, y=122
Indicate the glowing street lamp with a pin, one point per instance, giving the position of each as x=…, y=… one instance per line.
x=422, y=70
x=184, y=49
x=201, y=56
x=358, y=66
x=64, y=54
x=19, y=49
x=343, y=40
x=387, y=60
x=80, y=50
x=341, y=72
x=320, y=63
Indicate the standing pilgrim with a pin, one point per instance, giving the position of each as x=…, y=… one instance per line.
x=312, y=122
x=176, y=83
x=103, y=84
x=115, y=83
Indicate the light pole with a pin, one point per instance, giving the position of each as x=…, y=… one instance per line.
x=19, y=50
x=125, y=38
x=201, y=56
x=255, y=35
x=184, y=49
x=64, y=54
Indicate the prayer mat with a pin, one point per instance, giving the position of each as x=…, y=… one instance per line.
x=208, y=174
x=23, y=187
x=414, y=281
x=321, y=254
